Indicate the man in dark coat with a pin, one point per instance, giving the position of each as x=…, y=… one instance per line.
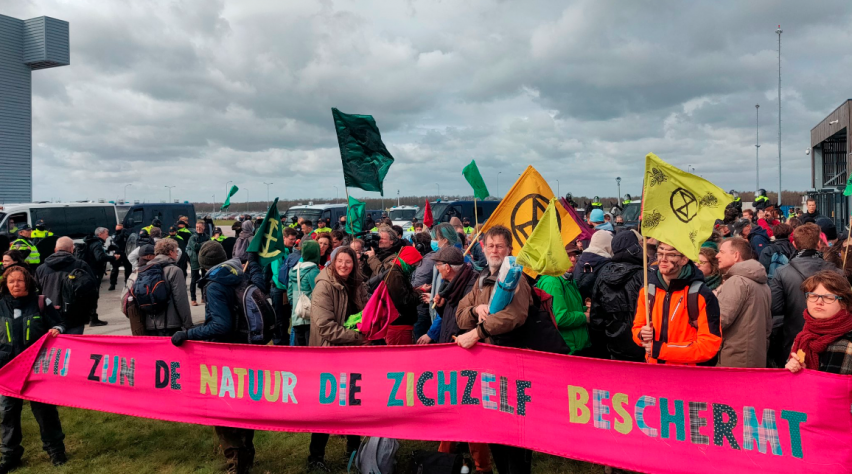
x=614, y=301
x=788, y=299
x=119, y=240
x=50, y=275
x=97, y=259
x=812, y=214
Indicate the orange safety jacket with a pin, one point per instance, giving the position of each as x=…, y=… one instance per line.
x=680, y=338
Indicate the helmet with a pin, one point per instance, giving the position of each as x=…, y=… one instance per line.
x=734, y=193
x=761, y=192
x=569, y=197
x=157, y=223
x=596, y=199
x=40, y=224
x=627, y=197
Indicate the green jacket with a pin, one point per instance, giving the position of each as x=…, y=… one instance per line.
x=193, y=247
x=568, y=309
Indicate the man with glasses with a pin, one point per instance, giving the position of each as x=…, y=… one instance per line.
x=472, y=315
x=745, y=304
x=788, y=300
x=684, y=326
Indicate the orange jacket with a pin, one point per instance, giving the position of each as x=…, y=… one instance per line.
x=677, y=340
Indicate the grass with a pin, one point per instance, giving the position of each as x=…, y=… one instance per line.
x=102, y=443
x=223, y=223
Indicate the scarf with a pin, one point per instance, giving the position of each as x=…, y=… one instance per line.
x=713, y=281
x=453, y=291
x=808, y=253
x=382, y=254
x=685, y=272
x=818, y=334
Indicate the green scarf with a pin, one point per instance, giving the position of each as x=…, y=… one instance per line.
x=713, y=281
x=685, y=273
x=407, y=269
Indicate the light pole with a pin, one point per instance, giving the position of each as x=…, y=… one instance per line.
x=779, y=114
x=125, y=191
x=397, y=198
x=268, y=202
x=498, y=183
x=170, y=192
x=618, y=182
x=757, y=147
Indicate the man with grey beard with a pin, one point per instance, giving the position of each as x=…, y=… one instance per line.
x=472, y=315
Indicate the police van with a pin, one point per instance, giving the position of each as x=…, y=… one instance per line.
x=402, y=215
x=315, y=212
x=73, y=219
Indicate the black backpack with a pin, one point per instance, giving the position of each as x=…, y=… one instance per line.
x=150, y=290
x=255, y=316
x=539, y=331
x=433, y=462
x=81, y=250
x=78, y=293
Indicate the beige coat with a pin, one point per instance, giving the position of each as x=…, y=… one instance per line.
x=745, y=303
x=328, y=313
x=502, y=322
x=178, y=314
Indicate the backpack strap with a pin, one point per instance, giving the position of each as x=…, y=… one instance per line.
x=692, y=302
x=41, y=303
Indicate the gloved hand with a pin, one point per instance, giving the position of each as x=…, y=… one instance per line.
x=179, y=338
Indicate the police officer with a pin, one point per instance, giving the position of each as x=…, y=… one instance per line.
x=596, y=203
x=218, y=236
x=183, y=230
x=40, y=231
x=738, y=201
x=183, y=260
x=25, y=245
x=467, y=228
x=413, y=224
x=627, y=200
x=155, y=223
x=760, y=199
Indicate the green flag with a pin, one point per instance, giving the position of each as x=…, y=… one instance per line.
x=268, y=243
x=355, y=216
x=366, y=161
x=471, y=174
x=227, y=202
x=848, y=190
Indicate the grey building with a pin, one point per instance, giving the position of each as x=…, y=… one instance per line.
x=25, y=45
x=830, y=159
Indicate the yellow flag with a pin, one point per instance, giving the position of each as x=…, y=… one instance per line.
x=679, y=208
x=544, y=251
x=524, y=206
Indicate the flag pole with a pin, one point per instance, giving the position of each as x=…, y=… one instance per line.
x=476, y=237
x=346, y=190
x=846, y=250
x=475, y=216
x=645, y=279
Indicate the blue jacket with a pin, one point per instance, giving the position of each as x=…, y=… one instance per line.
x=221, y=300
x=758, y=238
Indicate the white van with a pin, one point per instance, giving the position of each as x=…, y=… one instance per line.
x=75, y=220
x=402, y=215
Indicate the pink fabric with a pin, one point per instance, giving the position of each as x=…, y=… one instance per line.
x=568, y=406
x=586, y=231
x=378, y=314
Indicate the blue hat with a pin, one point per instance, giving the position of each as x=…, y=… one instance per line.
x=596, y=216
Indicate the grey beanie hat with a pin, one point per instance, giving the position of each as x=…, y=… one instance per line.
x=211, y=254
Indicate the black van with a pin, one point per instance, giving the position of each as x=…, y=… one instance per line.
x=137, y=216
x=443, y=211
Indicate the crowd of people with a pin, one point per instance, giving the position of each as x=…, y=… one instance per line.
x=764, y=293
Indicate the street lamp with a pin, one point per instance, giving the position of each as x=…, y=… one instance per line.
x=170, y=192
x=618, y=182
x=397, y=198
x=268, y=202
x=125, y=191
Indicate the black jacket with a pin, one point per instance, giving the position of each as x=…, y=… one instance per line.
x=28, y=328
x=614, y=298
x=586, y=272
x=788, y=300
x=808, y=217
x=783, y=246
x=120, y=240
x=49, y=278
x=96, y=256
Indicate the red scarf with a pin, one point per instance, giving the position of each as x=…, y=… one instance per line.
x=818, y=334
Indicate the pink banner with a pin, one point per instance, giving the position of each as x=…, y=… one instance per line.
x=650, y=418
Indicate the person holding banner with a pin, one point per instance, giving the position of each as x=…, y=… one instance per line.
x=472, y=315
x=683, y=329
x=337, y=294
x=27, y=317
x=825, y=343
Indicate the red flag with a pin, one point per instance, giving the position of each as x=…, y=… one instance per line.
x=585, y=231
x=428, y=219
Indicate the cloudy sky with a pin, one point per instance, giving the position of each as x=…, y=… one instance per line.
x=195, y=93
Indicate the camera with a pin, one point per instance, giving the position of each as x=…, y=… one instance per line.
x=371, y=240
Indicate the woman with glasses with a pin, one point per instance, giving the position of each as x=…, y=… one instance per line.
x=825, y=343
x=709, y=266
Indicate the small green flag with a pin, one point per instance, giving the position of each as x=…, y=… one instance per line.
x=355, y=216
x=474, y=178
x=268, y=243
x=848, y=190
x=227, y=202
x=366, y=161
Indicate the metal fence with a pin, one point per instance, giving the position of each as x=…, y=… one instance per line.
x=832, y=204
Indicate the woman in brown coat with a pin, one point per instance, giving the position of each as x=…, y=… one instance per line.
x=338, y=294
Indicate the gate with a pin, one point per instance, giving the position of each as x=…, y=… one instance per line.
x=833, y=204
